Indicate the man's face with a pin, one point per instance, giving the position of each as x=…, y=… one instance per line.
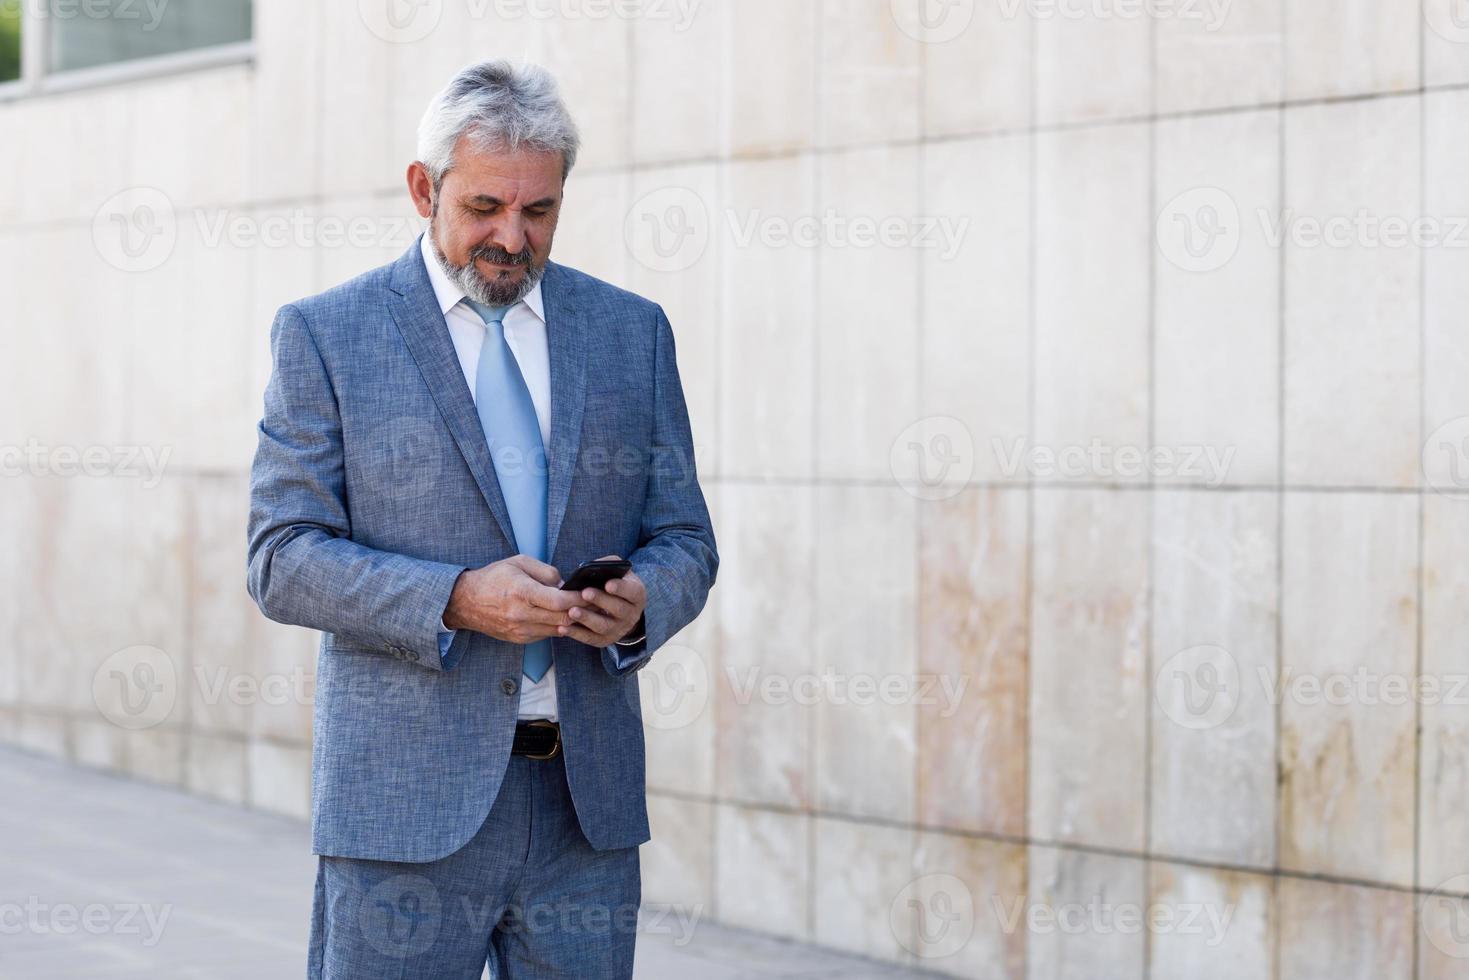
x=493, y=219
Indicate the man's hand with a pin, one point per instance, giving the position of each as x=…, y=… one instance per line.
x=517, y=600
x=601, y=617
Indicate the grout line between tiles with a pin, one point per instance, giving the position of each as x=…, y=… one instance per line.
x=1032, y=284
x=813, y=727
x=1280, y=430
x=1150, y=593
x=819, y=149
x=1047, y=842
x=1418, y=657
x=920, y=199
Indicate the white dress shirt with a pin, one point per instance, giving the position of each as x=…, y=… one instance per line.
x=525, y=333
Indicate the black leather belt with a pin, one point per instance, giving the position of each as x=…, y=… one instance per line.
x=538, y=738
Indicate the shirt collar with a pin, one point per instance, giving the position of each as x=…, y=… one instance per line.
x=450, y=295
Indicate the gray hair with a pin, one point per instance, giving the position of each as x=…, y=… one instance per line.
x=499, y=106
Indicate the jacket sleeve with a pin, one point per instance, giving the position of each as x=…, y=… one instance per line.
x=303, y=568
x=676, y=556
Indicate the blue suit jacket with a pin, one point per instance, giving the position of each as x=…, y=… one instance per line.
x=373, y=489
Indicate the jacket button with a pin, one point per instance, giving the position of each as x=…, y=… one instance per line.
x=508, y=685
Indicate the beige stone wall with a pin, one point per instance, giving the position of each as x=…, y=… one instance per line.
x=928, y=710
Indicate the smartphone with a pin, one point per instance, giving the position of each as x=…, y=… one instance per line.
x=595, y=574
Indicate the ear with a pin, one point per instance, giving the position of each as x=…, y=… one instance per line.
x=421, y=189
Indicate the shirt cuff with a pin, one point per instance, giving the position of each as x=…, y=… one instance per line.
x=624, y=657
x=637, y=636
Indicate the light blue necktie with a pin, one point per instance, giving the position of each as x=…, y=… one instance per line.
x=509, y=419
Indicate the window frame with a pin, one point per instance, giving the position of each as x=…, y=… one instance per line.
x=35, y=80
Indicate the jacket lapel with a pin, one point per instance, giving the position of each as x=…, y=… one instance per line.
x=416, y=310
x=566, y=335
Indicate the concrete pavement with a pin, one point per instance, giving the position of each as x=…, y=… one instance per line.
x=104, y=878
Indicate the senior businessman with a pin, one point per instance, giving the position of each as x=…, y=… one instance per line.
x=445, y=439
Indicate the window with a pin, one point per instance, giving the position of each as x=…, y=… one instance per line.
x=131, y=29
x=9, y=41
x=56, y=44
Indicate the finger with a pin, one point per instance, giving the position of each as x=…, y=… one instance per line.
x=593, y=620
x=610, y=558
x=540, y=571
x=583, y=635
x=609, y=604
x=629, y=587
x=534, y=615
x=545, y=597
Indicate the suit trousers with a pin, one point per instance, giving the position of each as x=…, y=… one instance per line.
x=527, y=894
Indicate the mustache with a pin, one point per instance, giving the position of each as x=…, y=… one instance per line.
x=497, y=255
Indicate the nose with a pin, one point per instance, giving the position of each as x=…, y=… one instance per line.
x=509, y=234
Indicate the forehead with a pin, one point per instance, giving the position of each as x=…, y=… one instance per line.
x=525, y=175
